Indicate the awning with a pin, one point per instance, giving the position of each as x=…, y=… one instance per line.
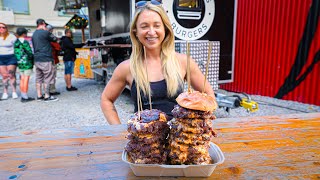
x=78, y=21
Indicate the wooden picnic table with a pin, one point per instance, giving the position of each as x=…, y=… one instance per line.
x=271, y=147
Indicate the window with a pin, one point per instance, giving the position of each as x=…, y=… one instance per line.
x=71, y=12
x=68, y=12
x=189, y=9
x=188, y=3
x=18, y=6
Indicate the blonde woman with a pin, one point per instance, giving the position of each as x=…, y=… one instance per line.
x=163, y=70
x=8, y=61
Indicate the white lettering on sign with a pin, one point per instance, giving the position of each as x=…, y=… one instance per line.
x=83, y=53
x=194, y=33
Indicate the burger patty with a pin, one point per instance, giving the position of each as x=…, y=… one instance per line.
x=147, y=138
x=198, y=149
x=192, y=136
x=149, y=161
x=148, y=157
x=152, y=153
x=194, y=122
x=153, y=127
x=178, y=126
x=179, y=157
x=196, y=161
x=181, y=112
x=188, y=141
x=145, y=148
x=147, y=133
x=151, y=121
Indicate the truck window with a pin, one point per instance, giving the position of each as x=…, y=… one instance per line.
x=188, y=4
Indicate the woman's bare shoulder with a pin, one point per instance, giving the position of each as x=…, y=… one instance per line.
x=181, y=57
x=124, y=66
x=123, y=70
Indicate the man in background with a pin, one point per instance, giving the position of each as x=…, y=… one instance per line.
x=69, y=57
x=43, y=60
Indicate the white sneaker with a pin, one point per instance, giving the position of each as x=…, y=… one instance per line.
x=14, y=95
x=4, y=96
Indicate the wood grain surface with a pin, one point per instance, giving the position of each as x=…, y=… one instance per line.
x=271, y=147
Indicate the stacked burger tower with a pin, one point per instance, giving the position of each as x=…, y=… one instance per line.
x=191, y=129
x=147, y=133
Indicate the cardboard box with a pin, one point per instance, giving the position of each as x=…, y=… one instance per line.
x=178, y=170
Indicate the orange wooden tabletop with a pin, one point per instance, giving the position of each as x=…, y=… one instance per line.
x=271, y=147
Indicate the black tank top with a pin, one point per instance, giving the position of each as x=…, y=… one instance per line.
x=159, y=98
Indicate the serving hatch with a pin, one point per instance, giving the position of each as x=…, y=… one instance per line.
x=178, y=170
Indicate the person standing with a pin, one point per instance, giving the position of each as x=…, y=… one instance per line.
x=154, y=66
x=43, y=60
x=69, y=57
x=24, y=54
x=55, y=49
x=8, y=61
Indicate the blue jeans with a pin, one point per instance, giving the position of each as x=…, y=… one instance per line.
x=68, y=67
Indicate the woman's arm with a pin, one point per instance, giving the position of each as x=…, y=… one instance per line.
x=197, y=79
x=113, y=90
x=196, y=76
x=12, y=38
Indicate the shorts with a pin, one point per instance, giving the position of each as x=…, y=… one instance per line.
x=26, y=72
x=68, y=67
x=6, y=60
x=44, y=72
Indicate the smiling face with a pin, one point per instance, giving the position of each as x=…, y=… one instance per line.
x=3, y=29
x=150, y=29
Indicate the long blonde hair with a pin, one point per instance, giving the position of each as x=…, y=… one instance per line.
x=170, y=63
x=6, y=34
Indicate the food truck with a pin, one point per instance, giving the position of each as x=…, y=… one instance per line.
x=197, y=22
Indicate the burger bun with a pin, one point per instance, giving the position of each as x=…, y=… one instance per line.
x=196, y=100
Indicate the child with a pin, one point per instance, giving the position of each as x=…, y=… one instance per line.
x=23, y=52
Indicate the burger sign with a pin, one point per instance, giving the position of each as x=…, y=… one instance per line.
x=191, y=19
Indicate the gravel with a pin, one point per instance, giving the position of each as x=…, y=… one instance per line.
x=82, y=108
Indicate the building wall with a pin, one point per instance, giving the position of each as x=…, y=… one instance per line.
x=277, y=50
x=39, y=9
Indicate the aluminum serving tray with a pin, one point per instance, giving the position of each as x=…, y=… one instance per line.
x=178, y=170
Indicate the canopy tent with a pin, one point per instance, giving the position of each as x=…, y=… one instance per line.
x=78, y=21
